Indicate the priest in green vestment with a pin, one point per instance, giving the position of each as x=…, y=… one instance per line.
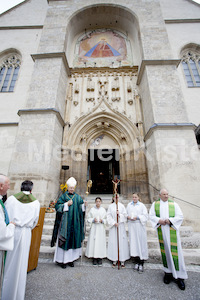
x=167, y=217
x=71, y=231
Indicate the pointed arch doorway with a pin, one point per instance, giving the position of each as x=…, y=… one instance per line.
x=103, y=164
x=103, y=167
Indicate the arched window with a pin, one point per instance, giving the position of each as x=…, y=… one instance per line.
x=191, y=67
x=9, y=69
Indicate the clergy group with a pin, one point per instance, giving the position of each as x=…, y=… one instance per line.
x=165, y=216
x=20, y=212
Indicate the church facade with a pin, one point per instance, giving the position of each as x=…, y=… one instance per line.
x=102, y=90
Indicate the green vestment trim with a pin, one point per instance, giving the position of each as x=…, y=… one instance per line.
x=7, y=222
x=173, y=236
x=23, y=198
x=3, y=206
x=71, y=232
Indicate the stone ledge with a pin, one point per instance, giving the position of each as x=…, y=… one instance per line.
x=155, y=62
x=43, y=111
x=167, y=126
x=53, y=55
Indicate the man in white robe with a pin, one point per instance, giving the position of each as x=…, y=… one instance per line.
x=96, y=245
x=6, y=229
x=24, y=210
x=112, y=239
x=137, y=219
x=164, y=221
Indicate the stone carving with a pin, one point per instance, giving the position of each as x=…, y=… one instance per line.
x=70, y=92
x=75, y=102
x=103, y=125
x=11, y=61
x=103, y=89
x=90, y=84
x=76, y=89
x=130, y=101
x=90, y=99
x=115, y=89
x=116, y=99
x=76, y=93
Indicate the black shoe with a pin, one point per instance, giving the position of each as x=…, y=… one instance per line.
x=167, y=278
x=60, y=264
x=71, y=264
x=181, y=284
x=99, y=261
x=94, y=262
x=64, y=266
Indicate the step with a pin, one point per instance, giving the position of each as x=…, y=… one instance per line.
x=185, y=231
x=191, y=242
x=46, y=252
x=191, y=256
x=187, y=243
x=48, y=230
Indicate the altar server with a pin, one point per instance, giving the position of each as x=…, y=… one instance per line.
x=112, y=239
x=137, y=218
x=23, y=209
x=96, y=245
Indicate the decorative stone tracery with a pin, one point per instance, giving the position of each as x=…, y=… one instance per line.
x=92, y=88
x=102, y=110
x=9, y=68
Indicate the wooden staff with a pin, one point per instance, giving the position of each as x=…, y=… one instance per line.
x=116, y=201
x=89, y=185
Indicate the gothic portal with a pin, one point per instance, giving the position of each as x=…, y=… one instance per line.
x=102, y=90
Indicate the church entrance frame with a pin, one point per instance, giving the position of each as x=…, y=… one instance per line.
x=78, y=138
x=127, y=135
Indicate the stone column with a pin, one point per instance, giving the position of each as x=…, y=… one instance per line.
x=171, y=149
x=37, y=152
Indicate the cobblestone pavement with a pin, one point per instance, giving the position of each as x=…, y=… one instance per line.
x=85, y=282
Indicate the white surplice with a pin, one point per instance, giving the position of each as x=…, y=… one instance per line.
x=176, y=223
x=6, y=239
x=112, y=239
x=25, y=216
x=137, y=230
x=96, y=245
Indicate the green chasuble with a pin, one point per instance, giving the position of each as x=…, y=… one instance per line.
x=173, y=236
x=24, y=198
x=71, y=229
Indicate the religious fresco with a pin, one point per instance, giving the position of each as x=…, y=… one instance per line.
x=102, y=48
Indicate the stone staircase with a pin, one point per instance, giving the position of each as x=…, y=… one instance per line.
x=190, y=240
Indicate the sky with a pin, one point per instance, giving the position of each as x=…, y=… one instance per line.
x=7, y=4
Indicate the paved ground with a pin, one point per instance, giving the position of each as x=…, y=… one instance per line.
x=85, y=282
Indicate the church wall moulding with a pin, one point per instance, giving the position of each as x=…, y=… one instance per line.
x=105, y=89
